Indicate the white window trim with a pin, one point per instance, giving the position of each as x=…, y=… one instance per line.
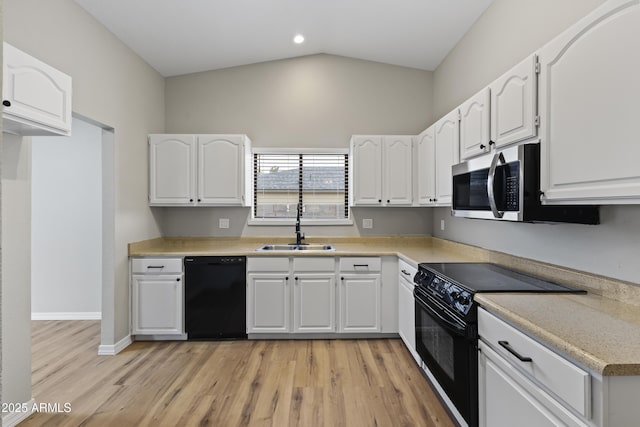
x=280, y=150
x=303, y=221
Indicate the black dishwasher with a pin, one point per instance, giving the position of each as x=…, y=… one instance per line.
x=215, y=297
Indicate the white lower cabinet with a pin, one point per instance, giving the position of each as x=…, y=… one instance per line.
x=314, y=302
x=406, y=308
x=268, y=296
x=523, y=383
x=360, y=303
x=298, y=295
x=157, y=297
x=268, y=310
x=360, y=282
x=508, y=398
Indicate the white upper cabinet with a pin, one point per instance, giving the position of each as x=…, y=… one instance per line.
x=474, y=125
x=36, y=97
x=199, y=170
x=447, y=143
x=513, y=104
x=381, y=172
x=397, y=159
x=426, y=167
x=172, y=170
x=366, y=177
x=589, y=109
x=221, y=166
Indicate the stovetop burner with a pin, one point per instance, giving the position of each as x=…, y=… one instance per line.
x=454, y=284
x=486, y=277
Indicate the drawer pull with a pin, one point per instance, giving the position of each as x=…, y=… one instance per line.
x=506, y=346
x=405, y=272
x=361, y=265
x=155, y=266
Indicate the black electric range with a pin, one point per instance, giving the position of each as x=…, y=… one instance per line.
x=446, y=324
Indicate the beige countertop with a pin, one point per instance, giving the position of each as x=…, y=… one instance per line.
x=601, y=333
x=412, y=249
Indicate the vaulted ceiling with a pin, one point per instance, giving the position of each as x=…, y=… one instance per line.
x=186, y=36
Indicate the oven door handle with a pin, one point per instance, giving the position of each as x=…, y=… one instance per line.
x=451, y=326
x=490, y=181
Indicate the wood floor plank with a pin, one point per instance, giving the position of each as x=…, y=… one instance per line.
x=270, y=383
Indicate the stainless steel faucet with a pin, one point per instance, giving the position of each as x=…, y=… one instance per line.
x=299, y=235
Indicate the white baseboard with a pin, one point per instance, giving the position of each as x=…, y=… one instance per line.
x=82, y=315
x=12, y=419
x=112, y=350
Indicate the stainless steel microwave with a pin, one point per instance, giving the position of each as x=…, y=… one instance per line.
x=505, y=185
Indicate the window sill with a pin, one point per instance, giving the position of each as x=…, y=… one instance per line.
x=290, y=222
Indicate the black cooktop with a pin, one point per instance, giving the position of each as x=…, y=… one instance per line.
x=486, y=277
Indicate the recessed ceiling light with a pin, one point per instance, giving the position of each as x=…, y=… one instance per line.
x=299, y=38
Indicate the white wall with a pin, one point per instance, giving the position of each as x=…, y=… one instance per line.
x=313, y=101
x=16, y=268
x=508, y=31
x=66, y=224
x=1, y=144
x=204, y=222
x=113, y=86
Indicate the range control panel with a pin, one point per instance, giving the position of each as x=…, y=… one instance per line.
x=450, y=294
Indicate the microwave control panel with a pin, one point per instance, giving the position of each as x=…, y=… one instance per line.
x=512, y=194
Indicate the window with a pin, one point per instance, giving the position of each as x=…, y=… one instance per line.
x=318, y=181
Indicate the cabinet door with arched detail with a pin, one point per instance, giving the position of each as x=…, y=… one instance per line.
x=514, y=104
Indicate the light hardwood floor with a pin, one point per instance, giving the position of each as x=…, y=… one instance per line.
x=241, y=383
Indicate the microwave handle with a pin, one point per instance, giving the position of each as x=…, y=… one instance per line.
x=498, y=157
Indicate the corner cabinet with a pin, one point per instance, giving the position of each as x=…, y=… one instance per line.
x=437, y=150
x=426, y=167
x=447, y=145
x=157, y=296
x=199, y=170
x=589, y=109
x=36, y=97
x=381, y=173
x=172, y=170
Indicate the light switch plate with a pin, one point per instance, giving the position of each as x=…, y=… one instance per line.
x=223, y=223
x=367, y=223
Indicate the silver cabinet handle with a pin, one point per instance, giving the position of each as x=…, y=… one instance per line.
x=490, y=180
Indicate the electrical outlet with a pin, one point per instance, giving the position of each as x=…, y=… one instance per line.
x=223, y=223
x=442, y=224
x=367, y=223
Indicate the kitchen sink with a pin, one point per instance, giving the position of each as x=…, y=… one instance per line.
x=294, y=247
